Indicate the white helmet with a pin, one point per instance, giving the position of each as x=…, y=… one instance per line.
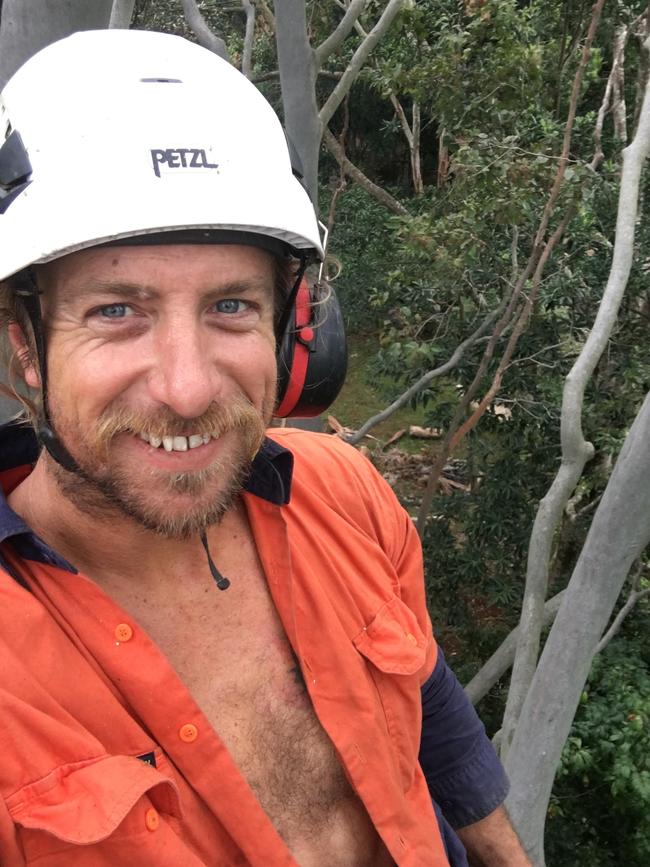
x=112, y=134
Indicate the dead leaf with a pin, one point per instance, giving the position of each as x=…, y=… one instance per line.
x=427, y=433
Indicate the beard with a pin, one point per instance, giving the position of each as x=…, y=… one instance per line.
x=105, y=485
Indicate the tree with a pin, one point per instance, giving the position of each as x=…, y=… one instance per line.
x=299, y=65
x=29, y=25
x=452, y=244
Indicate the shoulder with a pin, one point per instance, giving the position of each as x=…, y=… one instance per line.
x=330, y=466
x=333, y=478
x=312, y=451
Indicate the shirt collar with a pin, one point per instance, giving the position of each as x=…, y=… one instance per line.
x=269, y=479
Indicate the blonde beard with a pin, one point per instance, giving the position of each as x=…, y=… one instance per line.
x=101, y=487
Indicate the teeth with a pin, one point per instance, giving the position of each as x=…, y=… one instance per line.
x=176, y=444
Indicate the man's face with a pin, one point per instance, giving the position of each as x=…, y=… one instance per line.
x=161, y=375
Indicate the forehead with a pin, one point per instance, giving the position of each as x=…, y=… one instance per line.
x=160, y=268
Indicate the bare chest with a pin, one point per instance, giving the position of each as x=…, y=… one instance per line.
x=232, y=653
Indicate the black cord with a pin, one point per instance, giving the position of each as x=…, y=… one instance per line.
x=288, y=307
x=222, y=582
x=30, y=295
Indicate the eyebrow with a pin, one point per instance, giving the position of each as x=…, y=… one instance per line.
x=144, y=292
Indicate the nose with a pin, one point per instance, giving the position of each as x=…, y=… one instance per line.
x=185, y=375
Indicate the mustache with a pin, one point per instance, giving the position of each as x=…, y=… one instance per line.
x=217, y=420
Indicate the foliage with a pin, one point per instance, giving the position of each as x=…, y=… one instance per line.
x=601, y=802
x=498, y=107
x=364, y=243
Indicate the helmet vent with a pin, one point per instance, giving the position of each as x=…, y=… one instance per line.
x=161, y=80
x=15, y=167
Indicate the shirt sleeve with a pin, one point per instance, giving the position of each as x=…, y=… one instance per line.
x=461, y=767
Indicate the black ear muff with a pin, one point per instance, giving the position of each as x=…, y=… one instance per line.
x=312, y=355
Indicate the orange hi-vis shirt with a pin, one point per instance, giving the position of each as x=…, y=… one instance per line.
x=108, y=760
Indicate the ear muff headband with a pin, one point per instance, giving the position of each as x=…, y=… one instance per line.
x=301, y=338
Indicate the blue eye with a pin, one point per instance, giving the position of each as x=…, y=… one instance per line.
x=114, y=311
x=231, y=305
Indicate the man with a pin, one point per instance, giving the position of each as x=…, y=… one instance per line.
x=152, y=239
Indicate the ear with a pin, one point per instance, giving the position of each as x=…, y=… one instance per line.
x=24, y=354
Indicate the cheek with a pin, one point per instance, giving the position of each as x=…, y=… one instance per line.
x=258, y=374
x=87, y=382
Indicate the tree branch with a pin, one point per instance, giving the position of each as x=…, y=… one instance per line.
x=619, y=111
x=358, y=59
x=401, y=114
x=339, y=34
x=423, y=381
x=634, y=596
x=535, y=264
x=197, y=23
x=501, y=660
x=377, y=192
x=275, y=74
x=521, y=323
x=576, y=451
x=249, y=35
x=618, y=535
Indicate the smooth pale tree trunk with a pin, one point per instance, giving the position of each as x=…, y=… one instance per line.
x=121, y=14
x=298, y=82
x=29, y=25
x=618, y=535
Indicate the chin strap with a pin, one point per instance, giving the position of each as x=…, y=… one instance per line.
x=30, y=295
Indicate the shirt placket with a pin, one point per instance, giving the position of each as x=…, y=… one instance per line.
x=161, y=703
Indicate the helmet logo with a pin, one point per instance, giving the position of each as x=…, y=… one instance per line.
x=180, y=158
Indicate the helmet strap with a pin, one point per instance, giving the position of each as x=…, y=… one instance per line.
x=287, y=310
x=30, y=295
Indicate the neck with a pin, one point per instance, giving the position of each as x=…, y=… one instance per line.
x=88, y=541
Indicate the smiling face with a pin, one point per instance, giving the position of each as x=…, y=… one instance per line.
x=161, y=376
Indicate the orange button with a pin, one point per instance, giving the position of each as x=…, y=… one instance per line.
x=123, y=632
x=188, y=733
x=411, y=638
x=151, y=819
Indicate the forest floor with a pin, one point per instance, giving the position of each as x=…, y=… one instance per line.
x=405, y=462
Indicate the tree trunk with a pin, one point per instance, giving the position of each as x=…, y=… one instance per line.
x=618, y=535
x=298, y=82
x=122, y=14
x=29, y=25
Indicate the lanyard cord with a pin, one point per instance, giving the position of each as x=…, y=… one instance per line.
x=222, y=582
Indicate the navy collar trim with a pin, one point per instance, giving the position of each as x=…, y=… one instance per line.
x=269, y=479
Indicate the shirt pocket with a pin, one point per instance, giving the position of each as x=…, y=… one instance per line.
x=116, y=810
x=396, y=648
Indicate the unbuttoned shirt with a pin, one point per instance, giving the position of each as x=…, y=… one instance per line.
x=108, y=760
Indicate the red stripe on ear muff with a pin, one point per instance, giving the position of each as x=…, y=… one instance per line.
x=302, y=335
